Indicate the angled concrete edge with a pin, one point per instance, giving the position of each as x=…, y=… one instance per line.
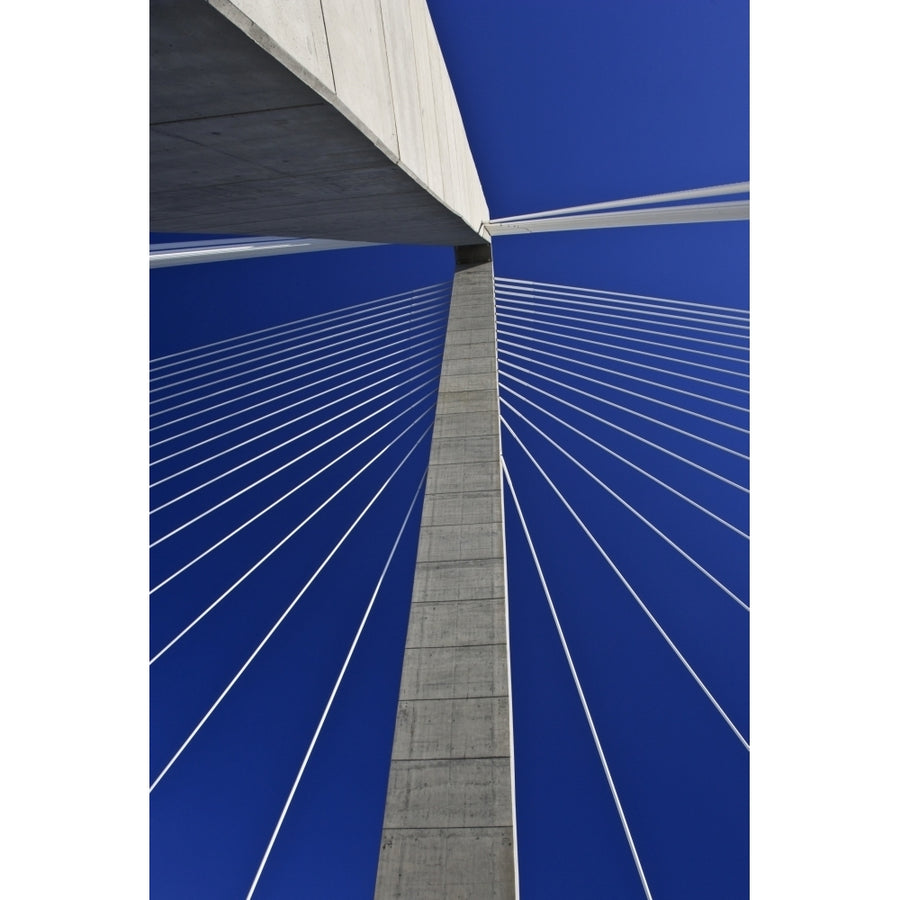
x=331, y=119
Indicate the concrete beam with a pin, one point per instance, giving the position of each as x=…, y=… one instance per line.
x=448, y=829
x=307, y=118
x=686, y=213
x=187, y=253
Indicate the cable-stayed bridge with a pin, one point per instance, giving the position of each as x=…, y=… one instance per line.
x=296, y=456
x=555, y=475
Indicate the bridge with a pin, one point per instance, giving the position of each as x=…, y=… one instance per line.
x=513, y=457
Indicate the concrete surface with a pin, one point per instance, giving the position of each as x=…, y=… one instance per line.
x=307, y=118
x=448, y=818
x=191, y=252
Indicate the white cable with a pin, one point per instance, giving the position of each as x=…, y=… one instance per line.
x=631, y=591
x=337, y=685
x=268, y=475
x=269, y=387
x=403, y=317
x=347, y=311
x=627, y=362
x=281, y=618
x=293, y=332
x=507, y=327
x=289, y=535
x=581, y=696
x=598, y=312
x=627, y=462
x=631, y=509
x=618, y=406
x=303, y=387
x=667, y=334
x=343, y=398
x=604, y=293
x=293, y=490
x=600, y=300
x=613, y=387
x=626, y=337
x=354, y=341
x=631, y=434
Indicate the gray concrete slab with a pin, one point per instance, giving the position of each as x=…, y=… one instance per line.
x=448, y=816
x=464, y=424
x=468, y=350
x=475, y=448
x=465, y=579
x=472, y=507
x=472, y=363
x=458, y=401
x=454, y=476
x=464, y=728
x=303, y=118
x=479, y=332
x=449, y=793
x=440, y=543
x=450, y=863
x=443, y=624
x=437, y=673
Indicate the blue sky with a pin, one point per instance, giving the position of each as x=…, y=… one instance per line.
x=589, y=104
x=823, y=548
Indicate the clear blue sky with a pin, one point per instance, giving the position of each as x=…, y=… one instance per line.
x=825, y=662
x=586, y=104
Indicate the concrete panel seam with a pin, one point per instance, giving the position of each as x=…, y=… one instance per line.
x=466, y=697
x=327, y=44
x=235, y=114
x=432, y=601
x=416, y=759
x=454, y=647
x=445, y=827
x=387, y=58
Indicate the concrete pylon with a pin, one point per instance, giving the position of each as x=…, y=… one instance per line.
x=448, y=822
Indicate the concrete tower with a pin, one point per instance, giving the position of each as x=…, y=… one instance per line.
x=448, y=823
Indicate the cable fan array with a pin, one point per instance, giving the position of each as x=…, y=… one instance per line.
x=625, y=435
x=286, y=467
